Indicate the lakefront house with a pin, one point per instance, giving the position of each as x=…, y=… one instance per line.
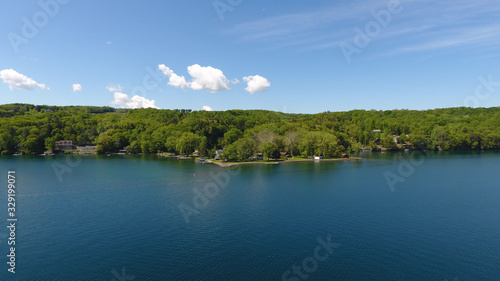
x=64, y=145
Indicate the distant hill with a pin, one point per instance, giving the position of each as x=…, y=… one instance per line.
x=33, y=129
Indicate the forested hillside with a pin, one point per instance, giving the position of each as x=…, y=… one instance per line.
x=242, y=133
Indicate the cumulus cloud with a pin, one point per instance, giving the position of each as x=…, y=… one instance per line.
x=207, y=108
x=165, y=69
x=16, y=80
x=207, y=78
x=235, y=81
x=174, y=79
x=113, y=88
x=136, y=101
x=77, y=88
x=256, y=83
x=204, y=78
x=178, y=81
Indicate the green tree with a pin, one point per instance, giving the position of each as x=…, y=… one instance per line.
x=134, y=147
x=160, y=130
x=231, y=136
x=32, y=145
x=187, y=143
x=105, y=144
x=276, y=154
x=146, y=146
x=388, y=142
x=7, y=144
x=267, y=148
x=50, y=143
x=230, y=153
x=419, y=141
x=440, y=139
x=327, y=144
x=307, y=144
x=292, y=140
x=245, y=148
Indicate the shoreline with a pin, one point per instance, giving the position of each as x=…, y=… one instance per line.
x=230, y=164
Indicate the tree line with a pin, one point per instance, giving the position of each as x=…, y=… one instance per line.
x=33, y=129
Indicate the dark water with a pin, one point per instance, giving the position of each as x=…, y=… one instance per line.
x=118, y=218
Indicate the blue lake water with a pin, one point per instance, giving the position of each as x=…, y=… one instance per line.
x=392, y=216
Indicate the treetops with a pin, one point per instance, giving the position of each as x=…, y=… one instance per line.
x=34, y=129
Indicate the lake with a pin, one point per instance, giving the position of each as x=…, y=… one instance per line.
x=389, y=216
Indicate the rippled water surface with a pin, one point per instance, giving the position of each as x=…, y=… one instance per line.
x=401, y=216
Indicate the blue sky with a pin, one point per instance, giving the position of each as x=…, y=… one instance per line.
x=289, y=56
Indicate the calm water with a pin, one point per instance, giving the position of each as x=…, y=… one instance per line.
x=118, y=218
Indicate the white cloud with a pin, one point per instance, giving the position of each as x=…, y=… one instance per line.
x=136, y=101
x=165, y=69
x=177, y=81
x=113, y=88
x=77, y=88
x=204, y=78
x=207, y=108
x=207, y=78
x=16, y=80
x=174, y=79
x=256, y=83
x=235, y=81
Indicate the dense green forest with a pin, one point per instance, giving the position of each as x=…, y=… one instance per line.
x=31, y=129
